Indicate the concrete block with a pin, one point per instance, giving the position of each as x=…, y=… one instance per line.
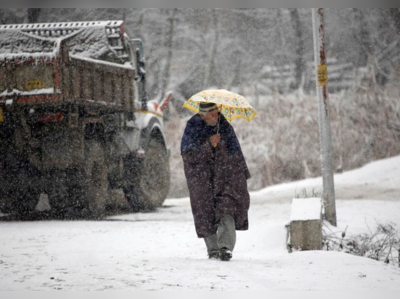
x=305, y=227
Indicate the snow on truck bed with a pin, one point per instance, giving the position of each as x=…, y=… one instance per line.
x=23, y=42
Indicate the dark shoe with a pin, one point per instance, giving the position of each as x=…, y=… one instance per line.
x=213, y=256
x=225, y=254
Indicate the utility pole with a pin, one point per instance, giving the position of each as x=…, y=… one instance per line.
x=328, y=192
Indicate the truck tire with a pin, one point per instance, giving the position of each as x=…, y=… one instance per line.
x=92, y=181
x=81, y=191
x=58, y=192
x=25, y=203
x=5, y=206
x=23, y=193
x=146, y=188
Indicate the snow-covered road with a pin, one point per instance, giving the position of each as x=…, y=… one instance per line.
x=160, y=251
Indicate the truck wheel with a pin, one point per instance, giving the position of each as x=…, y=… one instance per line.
x=57, y=191
x=94, y=180
x=148, y=187
x=23, y=193
x=5, y=202
x=26, y=203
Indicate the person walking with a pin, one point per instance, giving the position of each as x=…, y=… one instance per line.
x=216, y=174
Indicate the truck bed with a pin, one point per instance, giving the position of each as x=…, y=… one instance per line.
x=37, y=67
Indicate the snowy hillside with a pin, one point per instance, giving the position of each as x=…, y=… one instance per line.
x=159, y=251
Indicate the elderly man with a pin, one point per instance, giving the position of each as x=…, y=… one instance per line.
x=216, y=174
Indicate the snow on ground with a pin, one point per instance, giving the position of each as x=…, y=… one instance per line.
x=160, y=251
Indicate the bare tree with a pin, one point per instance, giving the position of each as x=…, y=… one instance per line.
x=12, y=16
x=363, y=37
x=167, y=70
x=236, y=79
x=33, y=14
x=395, y=14
x=211, y=77
x=2, y=16
x=299, y=52
x=169, y=46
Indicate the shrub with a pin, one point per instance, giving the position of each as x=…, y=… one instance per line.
x=381, y=245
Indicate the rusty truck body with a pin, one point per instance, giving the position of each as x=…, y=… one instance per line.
x=75, y=121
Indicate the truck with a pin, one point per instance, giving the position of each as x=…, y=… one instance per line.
x=75, y=120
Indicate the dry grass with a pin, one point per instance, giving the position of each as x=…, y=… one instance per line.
x=381, y=245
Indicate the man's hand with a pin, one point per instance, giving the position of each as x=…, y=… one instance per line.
x=215, y=139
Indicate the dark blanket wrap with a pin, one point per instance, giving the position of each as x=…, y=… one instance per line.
x=216, y=177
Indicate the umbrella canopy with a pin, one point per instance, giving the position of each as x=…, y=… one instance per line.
x=231, y=105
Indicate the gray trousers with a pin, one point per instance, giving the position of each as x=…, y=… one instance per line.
x=225, y=236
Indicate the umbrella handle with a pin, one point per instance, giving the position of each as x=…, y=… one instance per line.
x=213, y=144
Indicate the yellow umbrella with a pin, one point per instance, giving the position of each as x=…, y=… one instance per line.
x=231, y=105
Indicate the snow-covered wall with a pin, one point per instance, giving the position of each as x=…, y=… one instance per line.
x=304, y=209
